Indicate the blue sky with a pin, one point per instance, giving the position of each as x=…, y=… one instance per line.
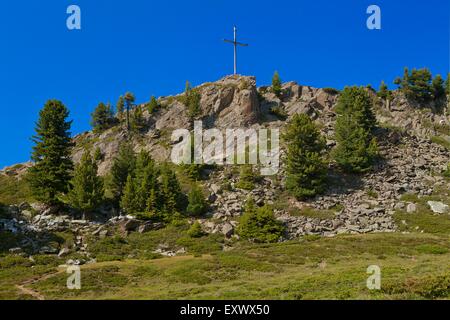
x=152, y=47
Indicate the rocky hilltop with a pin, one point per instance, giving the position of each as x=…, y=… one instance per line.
x=412, y=143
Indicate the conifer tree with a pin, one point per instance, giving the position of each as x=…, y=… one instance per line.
x=102, y=118
x=357, y=147
x=87, y=190
x=260, y=225
x=246, y=178
x=384, y=92
x=129, y=201
x=137, y=120
x=172, y=199
x=153, y=105
x=120, y=108
x=52, y=168
x=129, y=100
x=276, y=84
x=416, y=85
x=123, y=165
x=197, y=204
x=306, y=166
x=438, y=86
x=192, y=101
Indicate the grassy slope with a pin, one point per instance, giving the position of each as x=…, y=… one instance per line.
x=413, y=266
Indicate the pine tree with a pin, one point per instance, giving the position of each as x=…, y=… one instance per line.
x=246, y=178
x=153, y=105
x=356, y=102
x=123, y=165
x=276, y=84
x=137, y=120
x=260, y=225
x=148, y=185
x=102, y=118
x=438, y=86
x=51, y=172
x=357, y=148
x=192, y=101
x=416, y=85
x=195, y=231
x=384, y=92
x=197, y=204
x=172, y=199
x=129, y=200
x=120, y=108
x=129, y=100
x=87, y=190
x=306, y=166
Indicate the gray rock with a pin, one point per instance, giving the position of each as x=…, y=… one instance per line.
x=438, y=207
x=411, y=208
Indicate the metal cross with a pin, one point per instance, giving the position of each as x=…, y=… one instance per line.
x=235, y=43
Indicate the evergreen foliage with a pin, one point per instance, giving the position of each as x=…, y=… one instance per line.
x=53, y=166
x=306, y=165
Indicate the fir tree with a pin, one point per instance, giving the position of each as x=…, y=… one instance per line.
x=276, y=84
x=306, y=166
x=52, y=168
x=87, y=190
x=197, y=204
x=102, y=118
x=357, y=148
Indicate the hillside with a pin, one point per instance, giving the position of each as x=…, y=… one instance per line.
x=397, y=215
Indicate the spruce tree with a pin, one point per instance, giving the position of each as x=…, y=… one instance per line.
x=52, y=168
x=123, y=165
x=102, y=118
x=306, y=165
x=276, y=84
x=87, y=190
x=357, y=147
x=197, y=204
x=191, y=100
x=416, y=85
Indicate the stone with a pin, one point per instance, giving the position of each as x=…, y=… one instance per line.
x=227, y=230
x=438, y=207
x=129, y=225
x=411, y=208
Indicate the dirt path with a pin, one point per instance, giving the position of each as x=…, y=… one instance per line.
x=27, y=291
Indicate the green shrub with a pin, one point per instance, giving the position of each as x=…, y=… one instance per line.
x=260, y=225
x=247, y=178
x=197, y=204
x=195, y=231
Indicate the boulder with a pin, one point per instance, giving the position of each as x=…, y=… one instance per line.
x=438, y=207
